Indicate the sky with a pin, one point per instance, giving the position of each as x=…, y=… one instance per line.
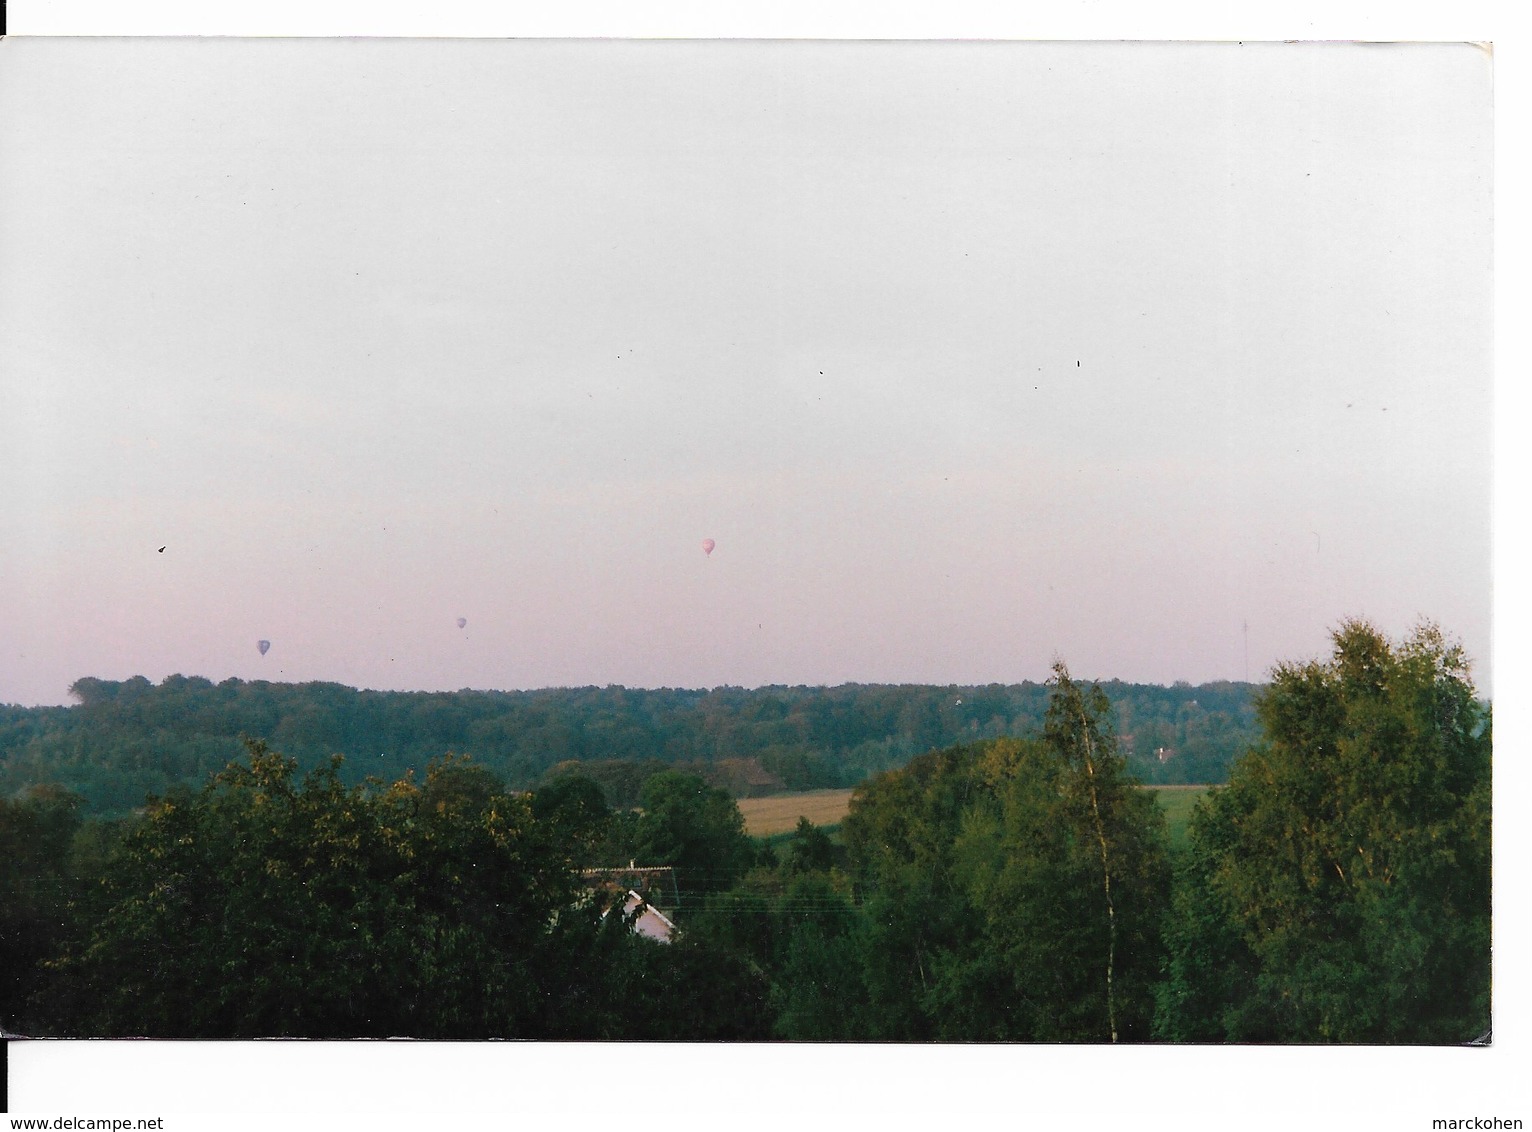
x=1159, y=359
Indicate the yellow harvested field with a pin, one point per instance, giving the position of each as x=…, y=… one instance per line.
x=765, y=816
x=780, y=814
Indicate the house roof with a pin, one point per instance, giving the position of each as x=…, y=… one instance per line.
x=650, y=922
x=650, y=882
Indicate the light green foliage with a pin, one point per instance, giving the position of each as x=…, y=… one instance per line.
x=1178, y=803
x=1347, y=863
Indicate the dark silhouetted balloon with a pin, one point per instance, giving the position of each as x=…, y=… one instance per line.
x=263, y=646
x=707, y=546
x=462, y=622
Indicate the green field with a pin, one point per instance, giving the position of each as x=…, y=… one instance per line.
x=1177, y=802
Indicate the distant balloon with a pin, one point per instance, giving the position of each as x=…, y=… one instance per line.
x=263, y=646
x=707, y=546
x=462, y=622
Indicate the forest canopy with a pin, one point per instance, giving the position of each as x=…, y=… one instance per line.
x=130, y=738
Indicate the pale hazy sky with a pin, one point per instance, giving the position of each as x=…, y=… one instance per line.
x=966, y=355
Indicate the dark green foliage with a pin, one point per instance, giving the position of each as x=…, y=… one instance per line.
x=620, y=781
x=607, y=983
x=274, y=904
x=128, y=739
x=811, y=850
x=819, y=995
x=575, y=810
x=702, y=993
x=1183, y=734
x=1347, y=863
x=986, y=910
x=796, y=769
x=269, y=905
x=900, y=833
x=799, y=930
x=695, y=827
x=1204, y=994
x=37, y=832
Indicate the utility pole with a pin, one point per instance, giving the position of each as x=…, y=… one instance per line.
x=1246, y=625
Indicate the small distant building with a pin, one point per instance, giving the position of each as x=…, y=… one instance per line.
x=1164, y=754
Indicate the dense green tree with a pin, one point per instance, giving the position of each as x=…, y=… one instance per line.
x=269, y=905
x=274, y=903
x=1204, y=994
x=575, y=809
x=700, y=992
x=1013, y=890
x=695, y=827
x=1121, y=830
x=797, y=928
x=621, y=781
x=811, y=849
x=899, y=834
x=818, y=991
x=1347, y=863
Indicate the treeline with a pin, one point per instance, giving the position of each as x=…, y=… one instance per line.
x=1013, y=889
x=127, y=739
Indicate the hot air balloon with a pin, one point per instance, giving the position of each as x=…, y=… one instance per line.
x=462, y=622
x=707, y=546
x=263, y=646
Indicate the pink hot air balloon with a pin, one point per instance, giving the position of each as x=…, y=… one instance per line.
x=263, y=646
x=707, y=546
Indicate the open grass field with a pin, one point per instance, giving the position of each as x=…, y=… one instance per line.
x=1177, y=802
x=767, y=816
x=780, y=814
